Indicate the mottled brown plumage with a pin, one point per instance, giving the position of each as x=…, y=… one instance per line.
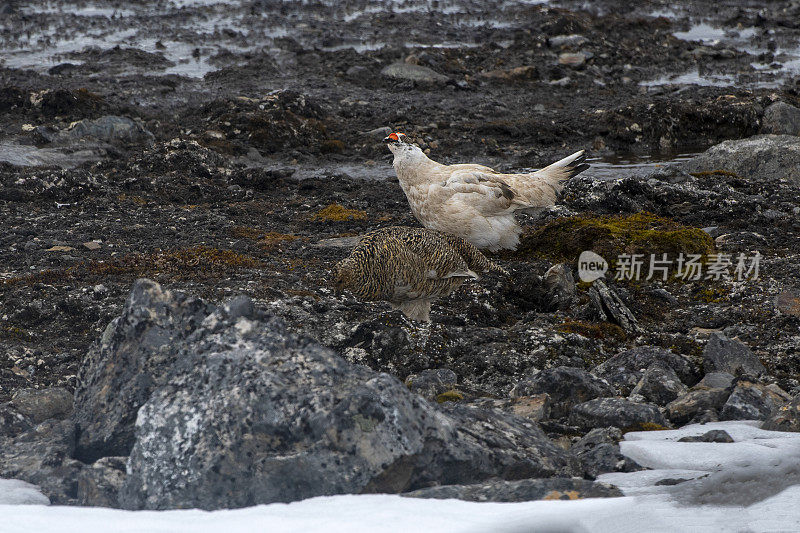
x=409, y=268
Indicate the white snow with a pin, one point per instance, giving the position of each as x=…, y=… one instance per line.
x=752, y=484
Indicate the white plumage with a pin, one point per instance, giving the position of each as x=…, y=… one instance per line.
x=475, y=202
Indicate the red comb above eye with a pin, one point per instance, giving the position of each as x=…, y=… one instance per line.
x=393, y=136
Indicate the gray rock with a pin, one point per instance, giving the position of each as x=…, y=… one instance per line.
x=16, y=492
x=415, y=73
x=379, y=134
x=785, y=418
x=42, y=456
x=788, y=302
x=131, y=359
x=758, y=158
x=41, y=404
x=715, y=435
x=572, y=59
x=12, y=422
x=716, y=380
x=623, y=414
x=625, y=369
x=659, y=384
x=751, y=401
x=685, y=408
x=559, y=286
x=99, y=483
x=598, y=452
x=722, y=354
x=524, y=490
x=566, y=387
x=432, y=382
x=248, y=413
x=567, y=40
x=110, y=129
x=781, y=118
x=609, y=306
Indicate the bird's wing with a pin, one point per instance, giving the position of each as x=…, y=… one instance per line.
x=441, y=260
x=486, y=188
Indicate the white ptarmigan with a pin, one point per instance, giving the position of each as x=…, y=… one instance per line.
x=475, y=202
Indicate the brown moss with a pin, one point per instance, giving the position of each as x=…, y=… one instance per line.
x=332, y=146
x=449, y=396
x=339, y=213
x=266, y=240
x=711, y=173
x=712, y=294
x=642, y=233
x=645, y=426
x=184, y=263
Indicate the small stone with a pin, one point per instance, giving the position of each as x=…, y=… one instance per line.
x=92, y=245
x=567, y=40
x=379, y=133
x=566, y=387
x=572, y=59
x=625, y=369
x=41, y=404
x=659, y=384
x=788, y=302
x=12, y=422
x=715, y=435
x=415, y=73
x=623, y=414
x=685, y=408
x=432, y=382
x=781, y=118
x=535, y=407
x=751, y=401
x=716, y=380
x=722, y=354
x=785, y=418
x=60, y=249
x=99, y=483
x=599, y=453
x=559, y=285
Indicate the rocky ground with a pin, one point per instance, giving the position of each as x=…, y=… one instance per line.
x=233, y=149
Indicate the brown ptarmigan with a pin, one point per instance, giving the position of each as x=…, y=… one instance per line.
x=473, y=201
x=409, y=268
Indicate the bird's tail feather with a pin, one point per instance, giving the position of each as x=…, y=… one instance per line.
x=545, y=187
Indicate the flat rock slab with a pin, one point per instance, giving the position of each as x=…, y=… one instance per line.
x=521, y=491
x=759, y=158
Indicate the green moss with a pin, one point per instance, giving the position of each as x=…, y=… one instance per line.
x=449, y=396
x=642, y=233
x=338, y=213
x=14, y=333
x=712, y=294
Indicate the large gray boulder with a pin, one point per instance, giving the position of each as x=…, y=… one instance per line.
x=131, y=359
x=759, y=157
x=723, y=354
x=242, y=412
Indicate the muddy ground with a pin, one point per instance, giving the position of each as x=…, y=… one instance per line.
x=263, y=114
